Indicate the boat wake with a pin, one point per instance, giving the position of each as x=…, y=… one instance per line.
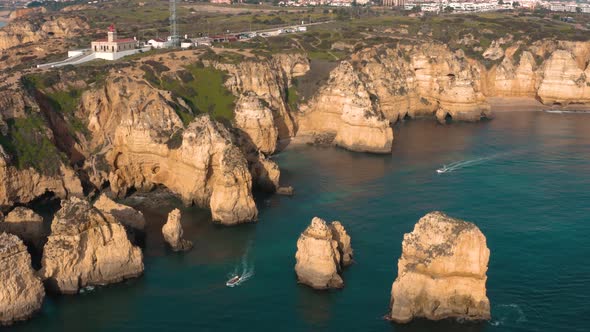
x=566, y=111
x=462, y=164
x=242, y=272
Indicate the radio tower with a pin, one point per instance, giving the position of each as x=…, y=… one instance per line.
x=174, y=38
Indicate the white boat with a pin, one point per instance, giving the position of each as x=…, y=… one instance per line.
x=233, y=281
x=444, y=169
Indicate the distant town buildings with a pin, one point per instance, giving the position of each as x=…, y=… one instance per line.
x=437, y=6
x=394, y=3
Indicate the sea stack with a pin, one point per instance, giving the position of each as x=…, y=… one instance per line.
x=86, y=248
x=22, y=292
x=441, y=272
x=172, y=232
x=321, y=249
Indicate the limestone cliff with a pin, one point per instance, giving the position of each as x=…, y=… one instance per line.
x=85, y=248
x=24, y=31
x=269, y=81
x=24, y=223
x=322, y=251
x=512, y=78
x=148, y=145
x=563, y=81
x=423, y=79
x=24, y=185
x=345, y=108
x=441, y=272
x=257, y=122
x=22, y=292
x=123, y=214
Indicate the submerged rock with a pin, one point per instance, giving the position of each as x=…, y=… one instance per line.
x=442, y=272
x=86, y=248
x=123, y=214
x=286, y=191
x=319, y=255
x=22, y=292
x=24, y=223
x=173, y=232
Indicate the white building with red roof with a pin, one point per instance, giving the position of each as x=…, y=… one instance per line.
x=113, y=48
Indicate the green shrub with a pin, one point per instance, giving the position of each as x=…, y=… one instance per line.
x=29, y=146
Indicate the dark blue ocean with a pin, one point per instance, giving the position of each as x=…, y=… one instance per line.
x=523, y=178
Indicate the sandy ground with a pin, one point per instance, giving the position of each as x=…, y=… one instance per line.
x=503, y=104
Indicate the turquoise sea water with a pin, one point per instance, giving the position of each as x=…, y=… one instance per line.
x=525, y=184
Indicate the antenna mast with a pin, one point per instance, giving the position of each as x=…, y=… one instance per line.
x=174, y=39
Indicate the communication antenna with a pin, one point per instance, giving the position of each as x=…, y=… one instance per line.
x=174, y=39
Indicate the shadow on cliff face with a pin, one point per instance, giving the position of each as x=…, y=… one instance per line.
x=46, y=206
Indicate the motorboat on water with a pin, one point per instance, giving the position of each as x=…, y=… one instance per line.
x=444, y=169
x=233, y=281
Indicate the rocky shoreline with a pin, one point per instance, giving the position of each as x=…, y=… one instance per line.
x=137, y=129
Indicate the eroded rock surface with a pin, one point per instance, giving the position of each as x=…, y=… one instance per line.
x=441, y=272
x=257, y=122
x=24, y=223
x=21, y=293
x=320, y=254
x=150, y=147
x=269, y=81
x=25, y=31
x=86, y=248
x=120, y=213
x=341, y=237
x=344, y=107
x=173, y=232
x=24, y=185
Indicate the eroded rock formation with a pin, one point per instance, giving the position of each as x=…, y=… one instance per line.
x=173, y=232
x=322, y=251
x=563, y=81
x=123, y=214
x=257, y=122
x=341, y=237
x=425, y=79
x=150, y=147
x=24, y=185
x=24, y=223
x=86, y=248
x=269, y=81
x=344, y=107
x=22, y=292
x=25, y=31
x=441, y=272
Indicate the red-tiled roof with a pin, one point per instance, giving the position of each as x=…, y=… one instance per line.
x=124, y=40
x=159, y=40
